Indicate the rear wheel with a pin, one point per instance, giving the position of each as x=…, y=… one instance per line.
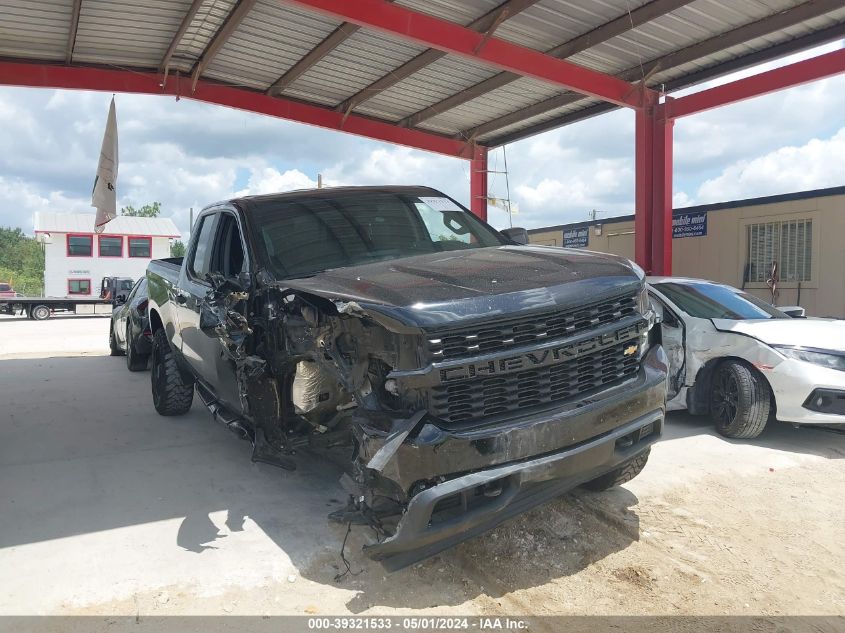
x=739, y=401
x=134, y=360
x=625, y=473
x=40, y=312
x=172, y=395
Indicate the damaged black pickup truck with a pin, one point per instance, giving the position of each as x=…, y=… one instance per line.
x=461, y=377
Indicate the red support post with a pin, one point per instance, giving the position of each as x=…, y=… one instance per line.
x=653, y=216
x=644, y=188
x=478, y=182
x=661, y=223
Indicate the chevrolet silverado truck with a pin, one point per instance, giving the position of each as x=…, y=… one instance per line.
x=459, y=376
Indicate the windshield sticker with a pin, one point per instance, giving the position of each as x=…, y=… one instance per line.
x=440, y=203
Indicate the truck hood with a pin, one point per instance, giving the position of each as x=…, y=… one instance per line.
x=441, y=288
x=817, y=333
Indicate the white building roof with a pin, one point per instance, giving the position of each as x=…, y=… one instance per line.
x=49, y=222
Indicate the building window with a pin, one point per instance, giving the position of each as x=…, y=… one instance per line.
x=80, y=245
x=140, y=247
x=110, y=246
x=789, y=244
x=79, y=286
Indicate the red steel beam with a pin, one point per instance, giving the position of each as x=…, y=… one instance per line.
x=643, y=187
x=653, y=215
x=661, y=204
x=455, y=39
x=819, y=67
x=86, y=78
x=478, y=182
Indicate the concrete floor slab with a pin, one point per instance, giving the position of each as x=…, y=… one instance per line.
x=108, y=508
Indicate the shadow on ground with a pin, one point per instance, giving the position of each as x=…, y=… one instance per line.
x=781, y=436
x=83, y=452
x=5, y=318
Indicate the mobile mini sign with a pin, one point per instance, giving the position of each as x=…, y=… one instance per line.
x=689, y=225
x=576, y=238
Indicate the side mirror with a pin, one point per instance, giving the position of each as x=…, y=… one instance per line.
x=796, y=312
x=516, y=234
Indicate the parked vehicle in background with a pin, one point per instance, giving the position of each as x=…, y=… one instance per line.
x=41, y=308
x=463, y=378
x=744, y=362
x=6, y=290
x=116, y=288
x=129, y=331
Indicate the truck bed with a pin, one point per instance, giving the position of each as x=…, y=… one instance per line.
x=168, y=268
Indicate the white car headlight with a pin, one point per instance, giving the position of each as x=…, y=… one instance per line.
x=830, y=360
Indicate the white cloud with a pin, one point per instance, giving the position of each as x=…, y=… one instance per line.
x=270, y=179
x=187, y=154
x=815, y=165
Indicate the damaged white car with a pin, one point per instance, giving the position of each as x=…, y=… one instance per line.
x=745, y=362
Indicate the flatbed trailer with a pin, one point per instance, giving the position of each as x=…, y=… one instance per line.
x=41, y=308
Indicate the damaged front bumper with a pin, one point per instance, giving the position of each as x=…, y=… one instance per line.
x=509, y=470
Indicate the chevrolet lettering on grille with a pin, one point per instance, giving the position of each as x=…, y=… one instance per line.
x=566, y=351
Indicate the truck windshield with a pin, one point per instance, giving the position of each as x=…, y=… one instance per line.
x=305, y=236
x=714, y=301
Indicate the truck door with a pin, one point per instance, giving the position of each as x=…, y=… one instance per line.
x=674, y=340
x=192, y=289
x=225, y=256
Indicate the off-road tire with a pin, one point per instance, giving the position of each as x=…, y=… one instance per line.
x=114, y=350
x=134, y=360
x=40, y=312
x=172, y=395
x=618, y=476
x=740, y=401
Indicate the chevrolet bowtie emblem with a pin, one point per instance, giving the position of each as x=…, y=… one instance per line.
x=631, y=349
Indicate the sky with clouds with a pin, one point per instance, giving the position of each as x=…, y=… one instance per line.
x=186, y=154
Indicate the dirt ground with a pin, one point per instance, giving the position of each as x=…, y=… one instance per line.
x=106, y=508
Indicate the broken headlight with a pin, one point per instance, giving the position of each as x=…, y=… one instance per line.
x=644, y=307
x=825, y=359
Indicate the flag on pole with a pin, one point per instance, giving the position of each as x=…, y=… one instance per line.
x=504, y=204
x=104, y=195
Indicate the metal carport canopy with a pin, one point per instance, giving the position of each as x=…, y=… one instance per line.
x=455, y=77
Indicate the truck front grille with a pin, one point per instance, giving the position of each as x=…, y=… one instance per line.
x=493, y=336
x=477, y=398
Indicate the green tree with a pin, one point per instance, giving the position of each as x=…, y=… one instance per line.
x=21, y=261
x=177, y=248
x=151, y=210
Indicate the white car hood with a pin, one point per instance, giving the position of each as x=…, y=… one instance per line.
x=818, y=333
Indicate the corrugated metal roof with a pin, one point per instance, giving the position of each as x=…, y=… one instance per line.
x=51, y=222
x=271, y=39
x=127, y=32
x=38, y=31
x=274, y=36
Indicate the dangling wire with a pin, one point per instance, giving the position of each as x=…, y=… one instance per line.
x=348, y=572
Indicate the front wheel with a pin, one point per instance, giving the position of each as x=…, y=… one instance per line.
x=172, y=395
x=739, y=401
x=114, y=350
x=625, y=473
